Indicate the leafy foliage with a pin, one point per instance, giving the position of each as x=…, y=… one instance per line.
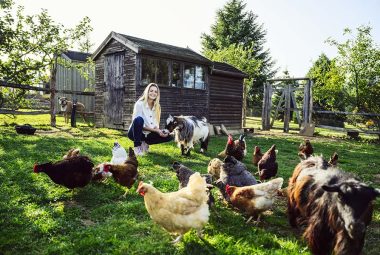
x=31, y=45
x=239, y=29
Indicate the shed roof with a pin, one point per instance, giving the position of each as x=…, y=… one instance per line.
x=77, y=56
x=227, y=69
x=139, y=45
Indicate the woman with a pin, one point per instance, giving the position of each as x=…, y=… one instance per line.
x=144, y=129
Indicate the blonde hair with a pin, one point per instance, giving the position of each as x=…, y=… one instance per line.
x=156, y=103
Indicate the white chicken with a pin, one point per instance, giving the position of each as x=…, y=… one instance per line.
x=119, y=154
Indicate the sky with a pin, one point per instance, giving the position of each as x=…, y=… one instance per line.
x=296, y=29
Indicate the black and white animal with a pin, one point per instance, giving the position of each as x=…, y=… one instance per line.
x=335, y=207
x=187, y=131
x=67, y=108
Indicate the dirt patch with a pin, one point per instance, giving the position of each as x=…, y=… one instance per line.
x=376, y=178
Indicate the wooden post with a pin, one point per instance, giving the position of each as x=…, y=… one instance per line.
x=287, y=109
x=267, y=105
x=73, y=119
x=306, y=104
x=310, y=101
x=244, y=105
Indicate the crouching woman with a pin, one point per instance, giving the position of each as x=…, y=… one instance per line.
x=144, y=129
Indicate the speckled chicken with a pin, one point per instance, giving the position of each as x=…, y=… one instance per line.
x=214, y=167
x=234, y=173
x=267, y=166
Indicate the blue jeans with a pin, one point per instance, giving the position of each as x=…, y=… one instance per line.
x=135, y=133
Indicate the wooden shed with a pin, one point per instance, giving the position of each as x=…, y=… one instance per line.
x=190, y=84
x=69, y=78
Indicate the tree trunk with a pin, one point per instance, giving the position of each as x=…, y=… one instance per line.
x=53, y=79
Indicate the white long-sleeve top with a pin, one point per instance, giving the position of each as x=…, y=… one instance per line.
x=143, y=110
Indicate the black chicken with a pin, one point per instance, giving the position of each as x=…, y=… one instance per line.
x=74, y=172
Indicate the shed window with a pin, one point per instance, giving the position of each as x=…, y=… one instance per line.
x=155, y=70
x=172, y=73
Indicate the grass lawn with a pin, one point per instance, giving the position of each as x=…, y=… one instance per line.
x=40, y=217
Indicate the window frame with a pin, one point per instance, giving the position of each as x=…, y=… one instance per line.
x=181, y=79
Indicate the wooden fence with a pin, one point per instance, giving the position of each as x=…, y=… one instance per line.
x=33, y=88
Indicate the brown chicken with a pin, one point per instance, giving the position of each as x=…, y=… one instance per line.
x=71, y=153
x=125, y=174
x=179, y=211
x=305, y=149
x=257, y=155
x=254, y=199
x=267, y=166
x=74, y=172
x=236, y=148
x=333, y=159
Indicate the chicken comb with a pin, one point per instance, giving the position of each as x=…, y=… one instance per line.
x=35, y=168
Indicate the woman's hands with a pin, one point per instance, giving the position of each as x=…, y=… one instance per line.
x=160, y=132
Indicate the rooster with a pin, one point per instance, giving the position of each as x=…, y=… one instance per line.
x=119, y=155
x=234, y=173
x=254, y=199
x=179, y=211
x=257, y=155
x=183, y=175
x=72, y=172
x=236, y=148
x=305, y=149
x=267, y=166
x=125, y=174
x=214, y=167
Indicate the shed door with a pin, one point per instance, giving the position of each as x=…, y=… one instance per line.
x=113, y=99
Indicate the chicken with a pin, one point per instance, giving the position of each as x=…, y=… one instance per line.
x=214, y=167
x=257, y=155
x=178, y=212
x=305, y=149
x=119, y=155
x=73, y=172
x=254, y=199
x=125, y=174
x=333, y=159
x=234, y=173
x=267, y=166
x=183, y=175
x=236, y=148
x=71, y=153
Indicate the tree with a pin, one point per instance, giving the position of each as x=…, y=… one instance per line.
x=236, y=27
x=32, y=45
x=359, y=61
x=328, y=84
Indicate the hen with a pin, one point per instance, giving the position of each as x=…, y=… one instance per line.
x=234, y=173
x=267, y=166
x=236, y=148
x=71, y=153
x=305, y=149
x=183, y=175
x=254, y=199
x=72, y=172
x=257, y=155
x=179, y=211
x=119, y=155
x=125, y=174
x=214, y=167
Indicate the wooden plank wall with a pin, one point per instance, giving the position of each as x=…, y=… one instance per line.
x=128, y=81
x=177, y=101
x=71, y=79
x=226, y=101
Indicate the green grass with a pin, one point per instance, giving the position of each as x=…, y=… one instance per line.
x=40, y=217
